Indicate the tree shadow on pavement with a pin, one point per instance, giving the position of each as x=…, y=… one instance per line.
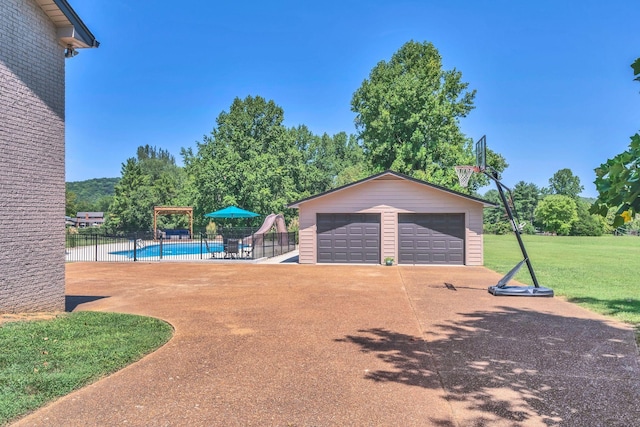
x=408, y=355
x=516, y=367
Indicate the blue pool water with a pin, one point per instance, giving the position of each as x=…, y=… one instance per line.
x=172, y=249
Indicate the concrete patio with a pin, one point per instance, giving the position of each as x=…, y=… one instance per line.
x=302, y=345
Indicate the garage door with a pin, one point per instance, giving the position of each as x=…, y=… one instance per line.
x=431, y=238
x=348, y=238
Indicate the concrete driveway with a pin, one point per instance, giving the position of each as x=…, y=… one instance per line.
x=296, y=345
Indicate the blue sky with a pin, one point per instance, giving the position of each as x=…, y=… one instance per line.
x=554, y=85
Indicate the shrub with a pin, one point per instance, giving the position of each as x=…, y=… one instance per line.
x=557, y=213
x=212, y=228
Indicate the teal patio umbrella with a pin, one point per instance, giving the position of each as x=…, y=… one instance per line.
x=232, y=212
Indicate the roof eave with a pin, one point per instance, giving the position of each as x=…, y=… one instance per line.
x=485, y=203
x=71, y=31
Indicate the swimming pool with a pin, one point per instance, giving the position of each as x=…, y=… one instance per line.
x=173, y=249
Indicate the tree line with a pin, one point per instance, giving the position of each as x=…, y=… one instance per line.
x=407, y=114
x=556, y=209
x=407, y=118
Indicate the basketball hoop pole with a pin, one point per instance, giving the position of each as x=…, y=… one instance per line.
x=501, y=288
x=516, y=230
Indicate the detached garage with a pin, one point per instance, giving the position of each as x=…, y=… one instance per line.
x=391, y=215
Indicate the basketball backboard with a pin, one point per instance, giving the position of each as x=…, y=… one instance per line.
x=481, y=153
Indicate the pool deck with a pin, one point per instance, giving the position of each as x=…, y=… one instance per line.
x=105, y=253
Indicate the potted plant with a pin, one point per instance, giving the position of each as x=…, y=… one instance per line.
x=388, y=261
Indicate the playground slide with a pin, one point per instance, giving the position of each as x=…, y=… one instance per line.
x=281, y=227
x=267, y=225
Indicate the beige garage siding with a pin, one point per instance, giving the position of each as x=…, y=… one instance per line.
x=389, y=195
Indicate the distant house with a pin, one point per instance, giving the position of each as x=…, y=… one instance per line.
x=35, y=38
x=89, y=219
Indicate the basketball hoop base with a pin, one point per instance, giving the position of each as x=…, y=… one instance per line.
x=521, y=291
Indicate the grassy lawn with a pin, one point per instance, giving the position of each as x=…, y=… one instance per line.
x=598, y=273
x=43, y=360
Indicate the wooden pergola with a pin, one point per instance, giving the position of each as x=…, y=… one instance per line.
x=172, y=210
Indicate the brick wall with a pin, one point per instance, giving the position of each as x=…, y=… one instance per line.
x=32, y=153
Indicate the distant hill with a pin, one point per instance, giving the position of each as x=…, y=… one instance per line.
x=590, y=200
x=92, y=190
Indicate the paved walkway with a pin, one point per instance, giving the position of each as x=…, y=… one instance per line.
x=296, y=345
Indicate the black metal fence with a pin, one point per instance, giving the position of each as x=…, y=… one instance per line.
x=228, y=244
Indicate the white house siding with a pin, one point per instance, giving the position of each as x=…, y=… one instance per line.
x=32, y=176
x=390, y=195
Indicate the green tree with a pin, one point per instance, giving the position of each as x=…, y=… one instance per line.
x=129, y=207
x=70, y=206
x=587, y=224
x=250, y=160
x=328, y=160
x=304, y=140
x=408, y=112
x=618, y=180
x=565, y=183
x=350, y=162
x=495, y=219
x=557, y=213
x=151, y=179
x=351, y=174
x=526, y=197
x=103, y=203
x=618, y=184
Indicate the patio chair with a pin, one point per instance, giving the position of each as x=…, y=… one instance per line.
x=232, y=248
x=247, y=248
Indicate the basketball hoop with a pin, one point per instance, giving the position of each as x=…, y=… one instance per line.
x=464, y=173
